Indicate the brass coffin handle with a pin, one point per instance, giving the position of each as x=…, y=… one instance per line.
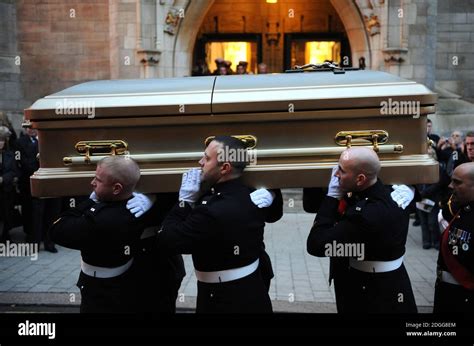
x=98, y=148
x=250, y=141
x=93, y=151
x=362, y=138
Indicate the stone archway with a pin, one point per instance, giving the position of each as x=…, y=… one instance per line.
x=355, y=28
x=186, y=38
x=197, y=10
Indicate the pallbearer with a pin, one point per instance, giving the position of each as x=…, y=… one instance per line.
x=217, y=222
x=365, y=234
x=107, y=234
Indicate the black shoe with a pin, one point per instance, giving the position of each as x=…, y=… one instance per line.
x=436, y=246
x=416, y=223
x=50, y=248
x=426, y=247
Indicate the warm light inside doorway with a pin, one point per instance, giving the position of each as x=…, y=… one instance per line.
x=318, y=51
x=232, y=51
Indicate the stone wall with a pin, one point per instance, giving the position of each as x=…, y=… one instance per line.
x=455, y=47
x=61, y=44
x=11, y=96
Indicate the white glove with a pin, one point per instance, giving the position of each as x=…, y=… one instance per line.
x=140, y=204
x=403, y=195
x=262, y=198
x=334, y=190
x=93, y=196
x=190, y=184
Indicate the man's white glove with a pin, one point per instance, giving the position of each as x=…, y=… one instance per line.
x=190, y=184
x=334, y=190
x=403, y=195
x=262, y=198
x=140, y=204
x=93, y=196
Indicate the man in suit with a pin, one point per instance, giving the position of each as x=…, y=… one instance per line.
x=27, y=145
x=9, y=176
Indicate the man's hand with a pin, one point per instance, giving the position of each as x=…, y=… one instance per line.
x=334, y=190
x=140, y=204
x=262, y=198
x=93, y=196
x=190, y=184
x=403, y=195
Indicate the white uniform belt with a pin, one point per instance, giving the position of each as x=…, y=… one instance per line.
x=103, y=272
x=226, y=275
x=376, y=266
x=447, y=277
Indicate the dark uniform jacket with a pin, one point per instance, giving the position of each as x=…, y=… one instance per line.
x=450, y=297
x=107, y=235
x=373, y=219
x=223, y=231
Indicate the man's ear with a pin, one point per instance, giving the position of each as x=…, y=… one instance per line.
x=360, y=180
x=117, y=189
x=226, y=168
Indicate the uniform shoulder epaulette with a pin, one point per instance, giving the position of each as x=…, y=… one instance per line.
x=361, y=210
x=211, y=198
x=95, y=208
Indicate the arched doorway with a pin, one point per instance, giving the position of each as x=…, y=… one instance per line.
x=305, y=21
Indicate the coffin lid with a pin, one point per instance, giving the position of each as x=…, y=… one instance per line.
x=229, y=95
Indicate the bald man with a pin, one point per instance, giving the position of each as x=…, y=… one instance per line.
x=365, y=236
x=107, y=234
x=454, y=290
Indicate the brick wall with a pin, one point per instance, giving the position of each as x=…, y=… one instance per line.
x=62, y=43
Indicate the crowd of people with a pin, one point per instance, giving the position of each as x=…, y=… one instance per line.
x=224, y=67
x=450, y=153
x=18, y=208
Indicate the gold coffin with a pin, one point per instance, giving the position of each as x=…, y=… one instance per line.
x=296, y=123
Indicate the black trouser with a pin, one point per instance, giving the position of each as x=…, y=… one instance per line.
x=429, y=227
x=27, y=212
x=245, y=295
x=266, y=270
x=159, y=276
x=388, y=292
x=45, y=212
x=113, y=295
x=451, y=298
x=6, y=209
